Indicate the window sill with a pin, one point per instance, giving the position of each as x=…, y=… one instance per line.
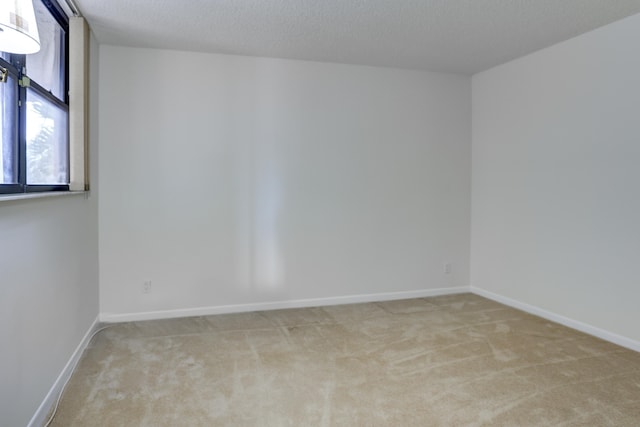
x=43, y=195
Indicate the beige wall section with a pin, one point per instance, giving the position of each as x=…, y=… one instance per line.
x=78, y=104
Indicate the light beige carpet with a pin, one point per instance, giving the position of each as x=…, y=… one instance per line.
x=447, y=361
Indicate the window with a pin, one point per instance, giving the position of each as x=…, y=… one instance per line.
x=34, y=107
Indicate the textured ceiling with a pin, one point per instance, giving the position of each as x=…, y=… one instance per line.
x=461, y=36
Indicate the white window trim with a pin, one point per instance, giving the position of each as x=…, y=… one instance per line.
x=12, y=197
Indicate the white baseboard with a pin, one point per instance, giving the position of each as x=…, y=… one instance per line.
x=40, y=417
x=313, y=302
x=571, y=323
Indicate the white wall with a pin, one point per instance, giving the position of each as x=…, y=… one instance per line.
x=48, y=290
x=556, y=195
x=236, y=180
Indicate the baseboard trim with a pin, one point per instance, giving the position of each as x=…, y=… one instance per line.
x=40, y=417
x=566, y=321
x=276, y=305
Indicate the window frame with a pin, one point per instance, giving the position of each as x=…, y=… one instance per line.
x=16, y=67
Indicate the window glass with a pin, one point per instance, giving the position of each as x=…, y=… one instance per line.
x=47, y=158
x=46, y=67
x=9, y=132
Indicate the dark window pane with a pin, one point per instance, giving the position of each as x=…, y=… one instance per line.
x=9, y=133
x=46, y=67
x=47, y=154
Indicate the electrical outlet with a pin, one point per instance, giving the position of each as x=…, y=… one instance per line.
x=146, y=287
x=447, y=268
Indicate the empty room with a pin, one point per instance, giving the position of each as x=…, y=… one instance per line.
x=319, y=213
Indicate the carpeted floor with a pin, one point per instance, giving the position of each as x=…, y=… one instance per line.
x=458, y=360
